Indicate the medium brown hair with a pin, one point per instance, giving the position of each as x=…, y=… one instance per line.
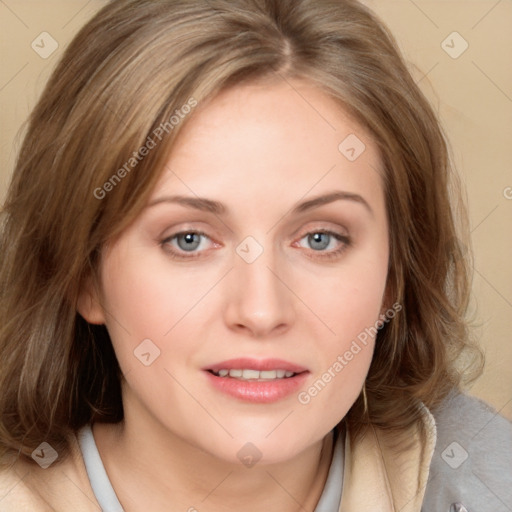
x=126, y=73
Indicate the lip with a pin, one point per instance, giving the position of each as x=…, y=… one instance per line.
x=256, y=364
x=262, y=392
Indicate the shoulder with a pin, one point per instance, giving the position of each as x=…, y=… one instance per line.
x=472, y=460
x=26, y=486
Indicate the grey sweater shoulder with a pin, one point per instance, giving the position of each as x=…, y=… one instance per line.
x=471, y=469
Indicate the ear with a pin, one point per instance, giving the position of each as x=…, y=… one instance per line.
x=88, y=303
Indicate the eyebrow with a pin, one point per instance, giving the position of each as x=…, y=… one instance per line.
x=211, y=206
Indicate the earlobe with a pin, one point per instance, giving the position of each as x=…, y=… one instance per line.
x=88, y=305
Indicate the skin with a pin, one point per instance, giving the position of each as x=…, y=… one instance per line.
x=260, y=150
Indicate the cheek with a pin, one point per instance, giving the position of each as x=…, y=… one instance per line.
x=145, y=293
x=147, y=297
x=347, y=352
x=351, y=312
x=349, y=304
x=139, y=304
x=349, y=300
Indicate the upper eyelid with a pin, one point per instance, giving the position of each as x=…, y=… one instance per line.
x=296, y=233
x=320, y=226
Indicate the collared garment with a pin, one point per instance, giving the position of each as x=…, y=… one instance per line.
x=465, y=465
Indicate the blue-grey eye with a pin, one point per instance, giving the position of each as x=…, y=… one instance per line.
x=190, y=240
x=319, y=241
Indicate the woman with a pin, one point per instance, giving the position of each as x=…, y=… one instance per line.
x=231, y=273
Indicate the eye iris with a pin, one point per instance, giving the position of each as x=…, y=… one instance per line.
x=316, y=242
x=192, y=241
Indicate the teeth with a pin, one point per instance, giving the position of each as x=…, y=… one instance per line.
x=250, y=374
x=247, y=374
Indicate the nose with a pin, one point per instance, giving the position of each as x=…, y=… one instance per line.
x=259, y=300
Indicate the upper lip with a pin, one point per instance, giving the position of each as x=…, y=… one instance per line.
x=247, y=363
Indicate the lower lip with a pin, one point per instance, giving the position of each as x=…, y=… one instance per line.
x=262, y=392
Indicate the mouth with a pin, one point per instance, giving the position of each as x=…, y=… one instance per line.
x=256, y=381
x=247, y=374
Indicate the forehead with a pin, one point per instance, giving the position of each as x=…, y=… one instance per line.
x=260, y=140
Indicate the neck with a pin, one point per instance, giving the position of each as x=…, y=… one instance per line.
x=161, y=471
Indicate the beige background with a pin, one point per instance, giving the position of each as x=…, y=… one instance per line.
x=472, y=94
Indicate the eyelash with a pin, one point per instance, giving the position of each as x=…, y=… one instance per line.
x=346, y=242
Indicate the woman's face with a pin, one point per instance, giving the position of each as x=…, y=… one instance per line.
x=262, y=276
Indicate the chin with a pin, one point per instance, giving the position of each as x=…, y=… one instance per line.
x=260, y=448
